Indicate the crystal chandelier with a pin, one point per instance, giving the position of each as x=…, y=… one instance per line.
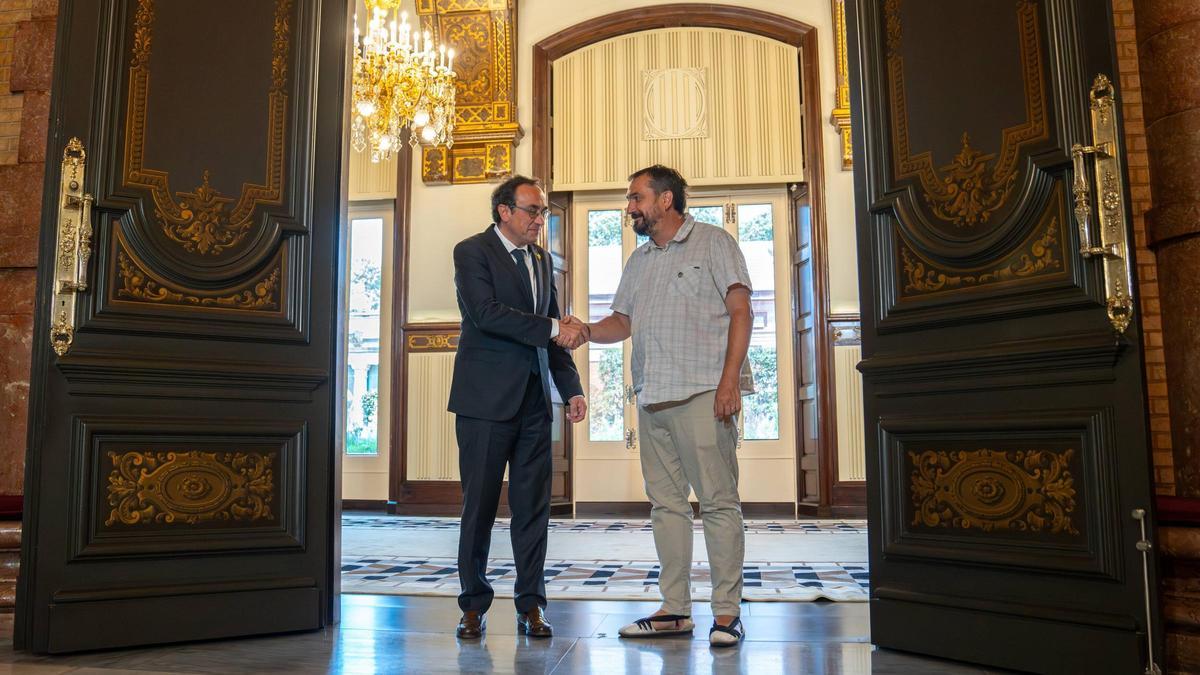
x=400, y=82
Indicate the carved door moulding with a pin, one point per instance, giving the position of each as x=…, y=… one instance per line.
x=190, y=487
x=966, y=192
x=133, y=282
x=203, y=221
x=483, y=35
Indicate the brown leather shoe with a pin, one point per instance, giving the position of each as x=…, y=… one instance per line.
x=471, y=626
x=534, y=624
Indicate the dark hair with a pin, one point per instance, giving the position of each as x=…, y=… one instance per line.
x=506, y=193
x=663, y=178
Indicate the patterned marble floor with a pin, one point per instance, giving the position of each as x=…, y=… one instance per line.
x=385, y=522
x=785, y=560
x=607, y=580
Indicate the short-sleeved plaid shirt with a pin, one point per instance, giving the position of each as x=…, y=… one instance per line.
x=675, y=299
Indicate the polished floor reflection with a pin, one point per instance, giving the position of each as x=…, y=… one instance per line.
x=407, y=634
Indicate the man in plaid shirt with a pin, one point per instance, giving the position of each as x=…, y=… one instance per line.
x=684, y=298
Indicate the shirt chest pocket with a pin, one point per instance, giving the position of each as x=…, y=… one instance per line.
x=688, y=280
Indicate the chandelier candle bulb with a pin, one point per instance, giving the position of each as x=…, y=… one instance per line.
x=400, y=84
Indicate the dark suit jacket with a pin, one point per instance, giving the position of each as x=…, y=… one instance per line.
x=503, y=336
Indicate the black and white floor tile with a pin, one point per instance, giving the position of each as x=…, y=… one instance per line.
x=565, y=525
x=607, y=579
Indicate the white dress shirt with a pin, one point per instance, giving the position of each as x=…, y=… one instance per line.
x=510, y=247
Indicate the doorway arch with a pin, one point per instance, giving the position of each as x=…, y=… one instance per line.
x=783, y=29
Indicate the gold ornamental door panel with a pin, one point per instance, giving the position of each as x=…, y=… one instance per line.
x=208, y=189
x=1022, y=489
x=149, y=486
x=976, y=177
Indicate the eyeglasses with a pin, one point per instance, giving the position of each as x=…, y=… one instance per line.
x=533, y=211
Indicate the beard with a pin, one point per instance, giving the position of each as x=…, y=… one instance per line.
x=641, y=224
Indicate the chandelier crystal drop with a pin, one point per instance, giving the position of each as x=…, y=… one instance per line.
x=400, y=82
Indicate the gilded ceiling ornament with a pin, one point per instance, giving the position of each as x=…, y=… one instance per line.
x=190, y=487
x=988, y=490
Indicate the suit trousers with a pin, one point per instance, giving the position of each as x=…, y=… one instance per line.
x=484, y=448
x=684, y=446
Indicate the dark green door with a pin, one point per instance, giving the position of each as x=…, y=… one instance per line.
x=181, y=472
x=1005, y=414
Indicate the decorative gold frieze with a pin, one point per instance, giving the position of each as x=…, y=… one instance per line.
x=969, y=190
x=190, y=487
x=482, y=32
x=840, y=117
x=200, y=221
x=476, y=164
x=433, y=342
x=988, y=490
x=133, y=282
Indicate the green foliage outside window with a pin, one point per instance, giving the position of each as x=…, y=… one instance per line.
x=758, y=228
x=361, y=438
x=369, y=278
x=368, y=403
x=762, y=407
x=605, y=408
x=604, y=228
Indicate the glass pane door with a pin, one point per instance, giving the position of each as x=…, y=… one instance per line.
x=606, y=363
x=757, y=219
x=365, y=270
x=607, y=453
x=756, y=236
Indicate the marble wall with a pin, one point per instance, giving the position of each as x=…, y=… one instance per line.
x=1169, y=53
x=28, y=61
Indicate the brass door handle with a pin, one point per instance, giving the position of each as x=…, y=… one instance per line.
x=73, y=247
x=1108, y=170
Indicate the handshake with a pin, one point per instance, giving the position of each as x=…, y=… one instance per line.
x=572, y=332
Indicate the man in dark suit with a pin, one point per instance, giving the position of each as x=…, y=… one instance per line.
x=501, y=396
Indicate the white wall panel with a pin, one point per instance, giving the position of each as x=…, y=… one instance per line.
x=852, y=458
x=705, y=101
x=432, y=449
